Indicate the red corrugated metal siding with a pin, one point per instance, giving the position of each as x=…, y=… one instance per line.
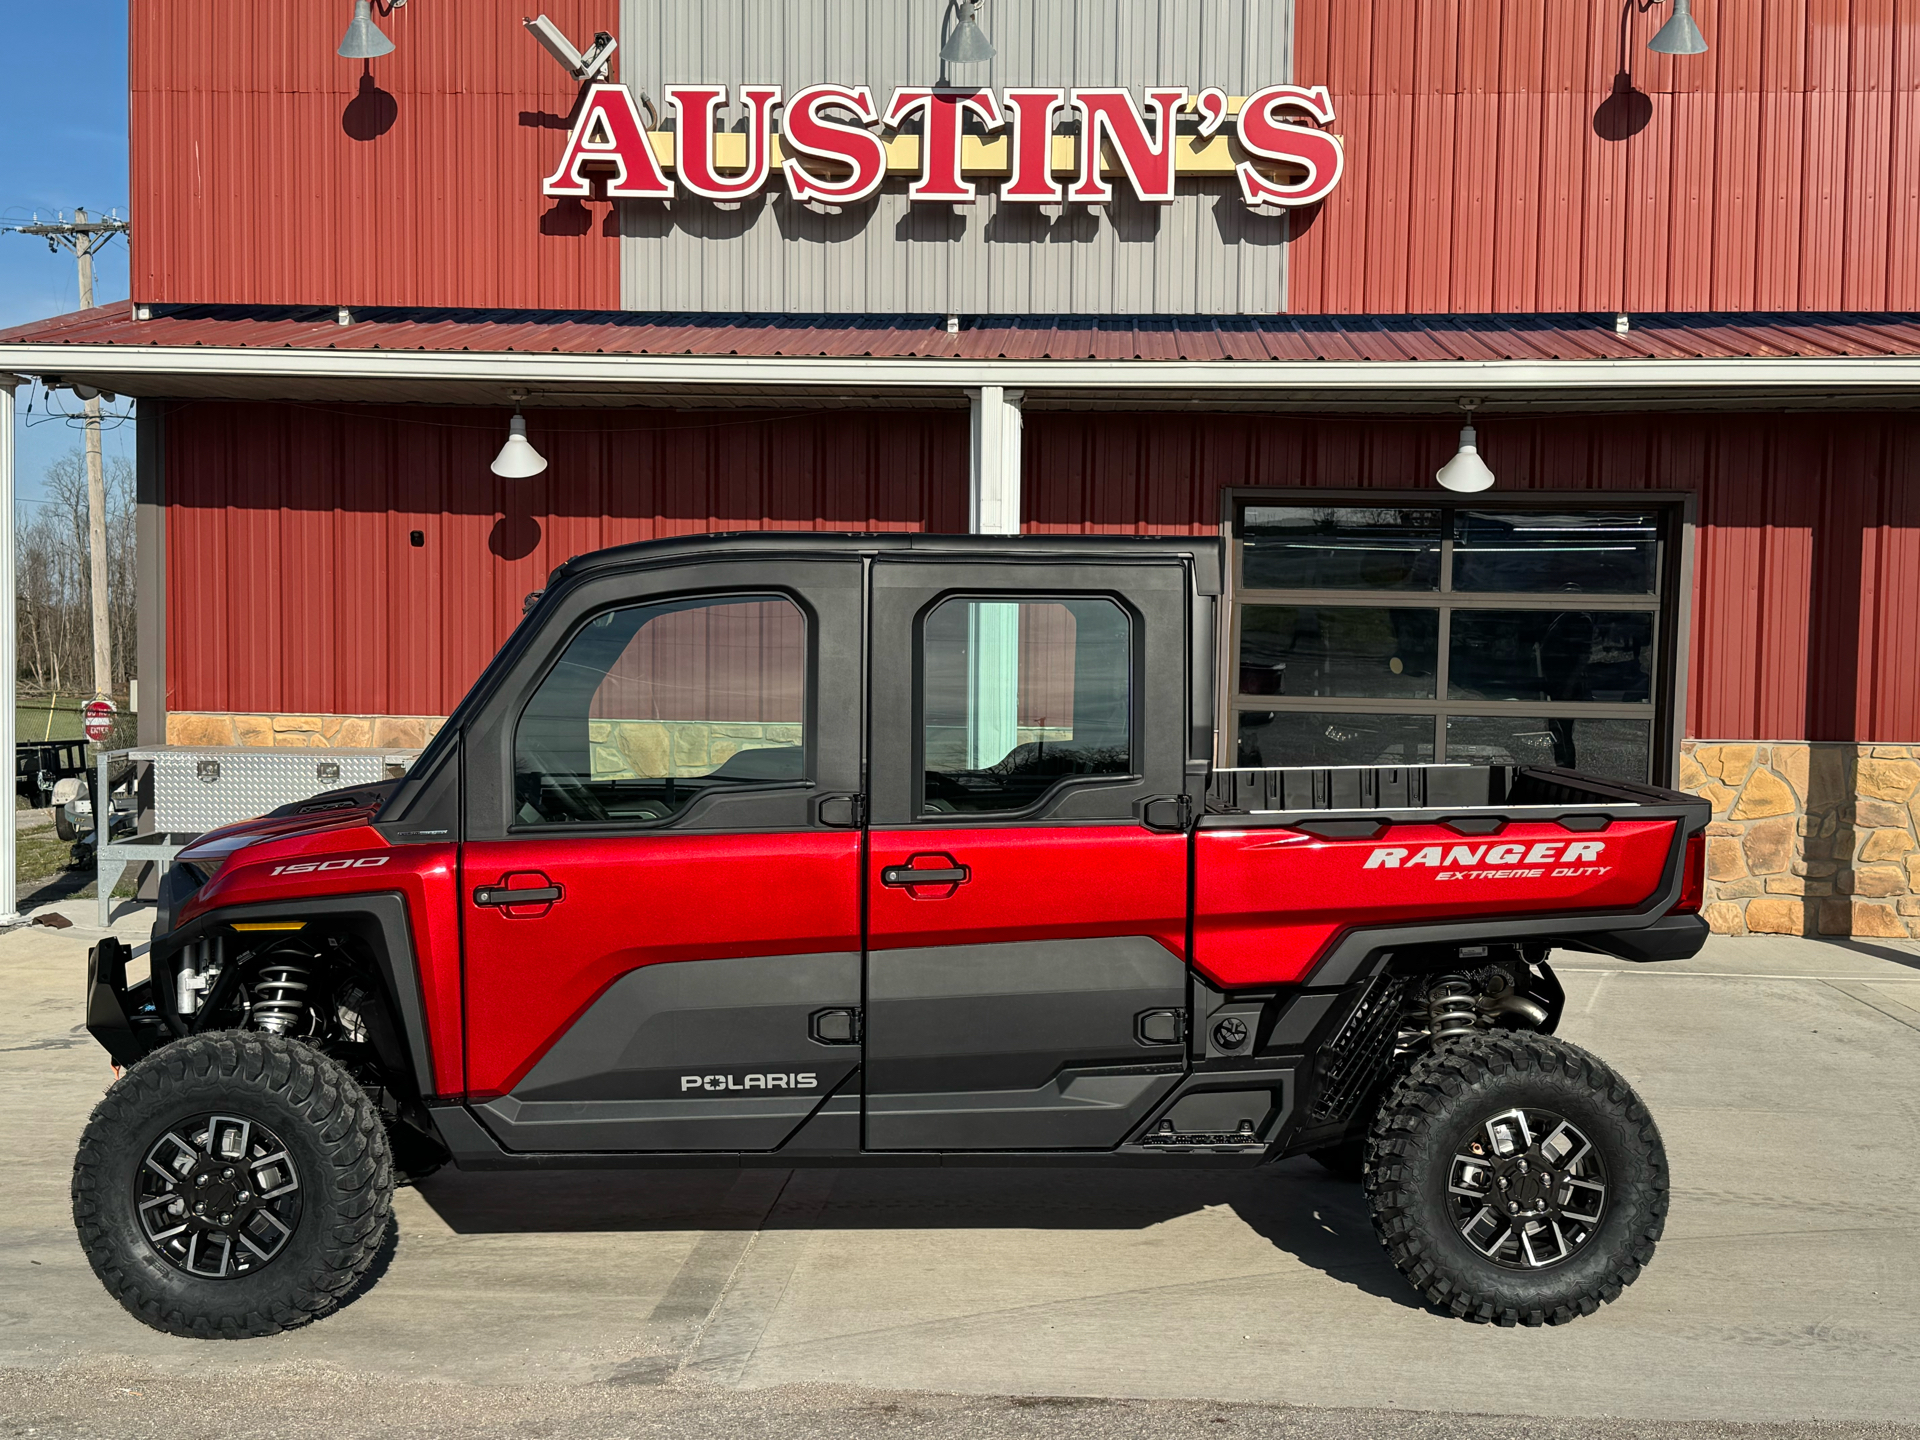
x=1776, y=172
x=250, y=184
x=292, y=588
x=1807, y=567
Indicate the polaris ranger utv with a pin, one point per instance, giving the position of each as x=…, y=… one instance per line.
x=784, y=850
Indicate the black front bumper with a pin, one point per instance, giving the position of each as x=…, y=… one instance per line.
x=120, y=1018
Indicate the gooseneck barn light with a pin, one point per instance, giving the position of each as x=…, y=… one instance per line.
x=1680, y=36
x=968, y=44
x=1467, y=472
x=364, y=40
x=518, y=459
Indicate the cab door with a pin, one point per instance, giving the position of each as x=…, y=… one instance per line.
x=1026, y=969
x=660, y=876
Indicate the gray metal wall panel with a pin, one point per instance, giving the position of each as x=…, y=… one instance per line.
x=1205, y=254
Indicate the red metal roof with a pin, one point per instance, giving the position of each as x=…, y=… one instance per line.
x=1202, y=338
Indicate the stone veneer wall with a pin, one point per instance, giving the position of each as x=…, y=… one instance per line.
x=401, y=732
x=1809, y=838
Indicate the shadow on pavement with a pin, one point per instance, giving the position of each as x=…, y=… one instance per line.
x=1295, y=1206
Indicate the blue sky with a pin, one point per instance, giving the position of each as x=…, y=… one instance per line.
x=63, y=111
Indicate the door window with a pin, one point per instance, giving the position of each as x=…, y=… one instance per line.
x=1020, y=697
x=652, y=706
x=1397, y=634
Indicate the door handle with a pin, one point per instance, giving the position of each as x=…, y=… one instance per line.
x=510, y=898
x=927, y=876
x=923, y=876
x=501, y=896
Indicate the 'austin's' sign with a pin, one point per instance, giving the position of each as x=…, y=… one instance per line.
x=829, y=147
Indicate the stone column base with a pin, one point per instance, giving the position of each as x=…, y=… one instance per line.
x=218, y=728
x=1809, y=838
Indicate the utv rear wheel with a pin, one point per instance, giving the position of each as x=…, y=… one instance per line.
x=232, y=1184
x=1516, y=1179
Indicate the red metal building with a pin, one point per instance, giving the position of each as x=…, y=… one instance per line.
x=1681, y=290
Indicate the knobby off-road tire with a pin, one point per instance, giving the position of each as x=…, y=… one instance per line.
x=1430, y=1132
x=316, y=1113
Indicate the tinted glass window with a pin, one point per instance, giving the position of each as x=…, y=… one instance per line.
x=1601, y=746
x=1559, y=655
x=1019, y=696
x=1338, y=650
x=1340, y=548
x=652, y=706
x=1602, y=552
x=1329, y=738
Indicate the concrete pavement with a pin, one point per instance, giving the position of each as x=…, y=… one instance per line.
x=1783, y=1298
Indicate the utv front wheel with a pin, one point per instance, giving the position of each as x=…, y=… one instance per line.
x=232, y=1184
x=1514, y=1178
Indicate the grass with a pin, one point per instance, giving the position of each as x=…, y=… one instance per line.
x=60, y=722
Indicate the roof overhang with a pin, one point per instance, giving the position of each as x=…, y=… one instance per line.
x=563, y=378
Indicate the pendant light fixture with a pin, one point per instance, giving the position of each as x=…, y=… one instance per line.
x=518, y=459
x=364, y=39
x=1467, y=472
x=968, y=45
x=1680, y=36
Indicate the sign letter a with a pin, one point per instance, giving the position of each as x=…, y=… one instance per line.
x=610, y=132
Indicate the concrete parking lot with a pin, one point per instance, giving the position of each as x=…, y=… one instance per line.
x=1048, y=1302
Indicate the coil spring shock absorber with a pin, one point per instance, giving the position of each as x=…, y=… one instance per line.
x=1450, y=1007
x=280, y=997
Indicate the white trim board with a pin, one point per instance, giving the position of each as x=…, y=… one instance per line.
x=1880, y=373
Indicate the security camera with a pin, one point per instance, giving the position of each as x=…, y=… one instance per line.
x=591, y=66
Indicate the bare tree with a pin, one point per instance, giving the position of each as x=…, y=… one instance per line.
x=54, y=585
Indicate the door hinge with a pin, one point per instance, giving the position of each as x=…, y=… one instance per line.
x=837, y=1026
x=1167, y=813
x=843, y=812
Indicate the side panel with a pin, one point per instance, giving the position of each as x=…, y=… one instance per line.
x=686, y=1056
x=1002, y=1012
x=630, y=902
x=1267, y=903
x=1031, y=884
x=1017, y=1046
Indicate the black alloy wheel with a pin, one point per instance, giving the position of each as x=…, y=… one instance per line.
x=218, y=1196
x=1529, y=1189
x=1515, y=1178
x=233, y=1184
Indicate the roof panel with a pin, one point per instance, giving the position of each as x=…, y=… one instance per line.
x=1471, y=338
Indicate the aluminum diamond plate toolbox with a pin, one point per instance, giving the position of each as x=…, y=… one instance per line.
x=201, y=788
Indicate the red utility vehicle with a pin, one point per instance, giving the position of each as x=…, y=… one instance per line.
x=824, y=850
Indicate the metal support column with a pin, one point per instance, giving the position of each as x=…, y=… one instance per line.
x=995, y=461
x=9, y=661
x=994, y=632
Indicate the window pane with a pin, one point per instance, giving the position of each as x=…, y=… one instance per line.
x=1327, y=738
x=1560, y=655
x=1610, y=749
x=650, y=706
x=1603, y=552
x=1017, y=696
x=1286, y=547
x=1338, y=650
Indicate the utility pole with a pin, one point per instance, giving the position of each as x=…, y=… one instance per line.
x=82, y=236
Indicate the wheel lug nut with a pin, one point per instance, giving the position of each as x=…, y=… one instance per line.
x=227, y=1175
